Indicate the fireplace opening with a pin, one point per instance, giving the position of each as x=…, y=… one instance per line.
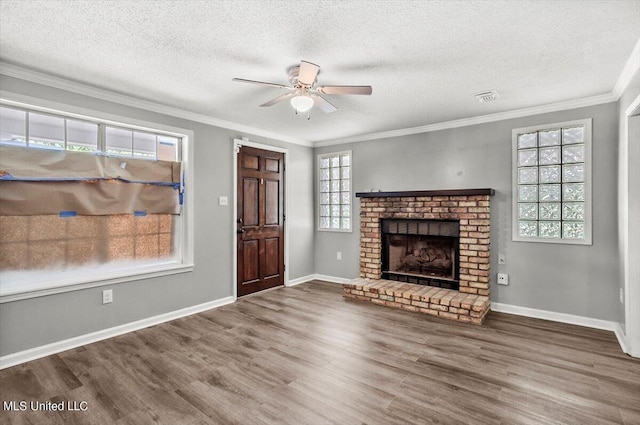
x=425, y=252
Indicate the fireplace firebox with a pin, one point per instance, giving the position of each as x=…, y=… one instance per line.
x=424, y=252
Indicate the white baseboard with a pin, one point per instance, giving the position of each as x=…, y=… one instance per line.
x=555, y=317
x=323, y=277
x=78, y=341
x=331, y=279
x=298, y=281
x=622, y=339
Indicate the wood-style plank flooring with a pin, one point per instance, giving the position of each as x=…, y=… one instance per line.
x=305, y=355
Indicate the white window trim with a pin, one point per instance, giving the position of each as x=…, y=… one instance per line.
x=319, y=157
x=116, y=274
x=587, y=123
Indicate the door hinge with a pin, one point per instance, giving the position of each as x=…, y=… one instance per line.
x=284, y=267
x=284, y=217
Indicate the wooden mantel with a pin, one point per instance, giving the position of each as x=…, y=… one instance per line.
x=451, y=192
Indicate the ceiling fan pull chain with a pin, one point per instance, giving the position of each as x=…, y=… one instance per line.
x=309, y=114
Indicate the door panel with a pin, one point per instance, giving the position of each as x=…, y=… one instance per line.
x=251, y=201
x=272, y=258
x=260, y=220
x=272, y=198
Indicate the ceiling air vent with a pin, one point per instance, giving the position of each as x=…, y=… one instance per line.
x=487, y=96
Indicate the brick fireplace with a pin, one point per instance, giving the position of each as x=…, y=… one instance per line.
x=415, y=286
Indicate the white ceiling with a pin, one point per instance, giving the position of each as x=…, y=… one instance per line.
x=425, y=60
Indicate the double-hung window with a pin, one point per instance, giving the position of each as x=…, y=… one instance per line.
x=334, y=182
x=552, y=183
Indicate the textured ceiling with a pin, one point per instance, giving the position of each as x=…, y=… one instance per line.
x=425, y=60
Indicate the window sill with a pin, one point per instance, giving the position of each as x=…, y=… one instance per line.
x=39, y=284
x=336, y=230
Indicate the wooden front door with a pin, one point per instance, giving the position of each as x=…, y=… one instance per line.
x=260, y=220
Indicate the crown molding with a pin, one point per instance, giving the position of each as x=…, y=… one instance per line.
x=630, y=68
x=87, y=90
x=499, y=116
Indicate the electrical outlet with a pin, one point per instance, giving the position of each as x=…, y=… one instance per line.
x=502, y=259
x=503, y=279
x=621, y=295
x=339, y=255
x=107, y=296
x=223, y=200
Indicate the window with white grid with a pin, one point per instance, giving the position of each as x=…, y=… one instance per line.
x=334, y=182
x=552, y=183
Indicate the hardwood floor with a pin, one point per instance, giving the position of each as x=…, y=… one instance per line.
x=305, y=355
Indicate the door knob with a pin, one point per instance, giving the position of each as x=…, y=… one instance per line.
x=240, y=230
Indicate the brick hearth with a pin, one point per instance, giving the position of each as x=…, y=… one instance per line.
x=472, y=208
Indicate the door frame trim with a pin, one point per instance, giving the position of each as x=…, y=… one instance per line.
x=237, y=143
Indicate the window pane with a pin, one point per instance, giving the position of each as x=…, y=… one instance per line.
x=528, y=211
x=324, y=162
x=144, y=145
x=573, y=153
x=335, y=222
x=324, y=222
x=167, y=149
x=573, y=173
x=335, y=210
x=573, y=192
x=345, y=172
x=550, y=211
x=346, y=198
x=572, y=230
x=324, y=185
x=527, y=193
x=573, y=211
x=346, y=161
x=573, y=135
x=550, y=229
x=345, y=185
x=119, y=141
x=527, y=140
x=335, y=173
x=324, y=210
x=346, y=211
x=82, y=136
x=335, y=161
x=550, y=174
x=550, y=138
x=346, y=223
x=549, y=192
x=324, y=198
x=13, y=124
x=46, y=131
x=335, y=185
x=324, y=174
x=528, y=229
x=528, y=158
x=528, y=175
x=549, y=156
x=335, y=198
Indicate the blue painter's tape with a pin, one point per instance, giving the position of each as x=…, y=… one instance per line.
x=139, y=213
x=67, y=214
x=181, y=197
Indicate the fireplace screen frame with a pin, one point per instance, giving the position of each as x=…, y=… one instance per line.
x=417, y=228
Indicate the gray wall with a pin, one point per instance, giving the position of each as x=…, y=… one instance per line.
x=573, y=279
x=38, y=321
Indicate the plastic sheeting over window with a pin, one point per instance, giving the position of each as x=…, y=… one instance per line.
x=43, y=182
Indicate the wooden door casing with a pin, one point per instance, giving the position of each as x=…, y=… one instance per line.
x=260, y=220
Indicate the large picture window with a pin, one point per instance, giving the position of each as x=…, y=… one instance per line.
x=84, y=199
x=334, y=181
x=552, y=183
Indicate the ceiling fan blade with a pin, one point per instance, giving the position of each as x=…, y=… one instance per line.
x=345, y=89
x=280, y=86
x=279, y=99
x=323, y=104
x=308, y=73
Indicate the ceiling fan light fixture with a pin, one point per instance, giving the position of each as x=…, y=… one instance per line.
x=302, y=103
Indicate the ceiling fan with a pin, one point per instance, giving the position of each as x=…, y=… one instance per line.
x=304, y=92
